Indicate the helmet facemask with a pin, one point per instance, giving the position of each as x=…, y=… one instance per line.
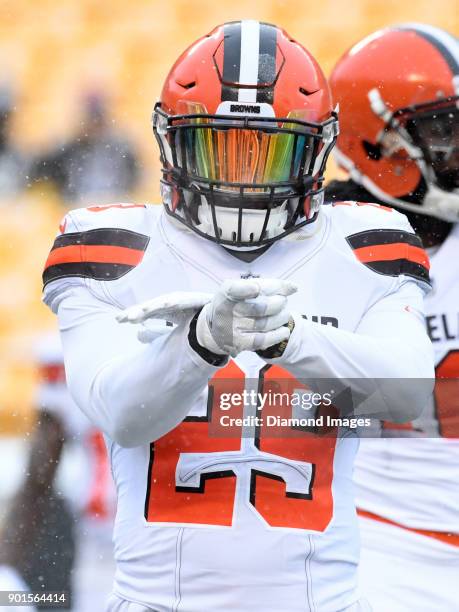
x=428, y=134
x=242, y=181
x=435, y=131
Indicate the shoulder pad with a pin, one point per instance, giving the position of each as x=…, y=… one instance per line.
x=99, y=242
x=123, y=215
x=348, y=214
x=383, y=240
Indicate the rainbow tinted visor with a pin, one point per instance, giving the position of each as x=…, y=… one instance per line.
x=247, y=152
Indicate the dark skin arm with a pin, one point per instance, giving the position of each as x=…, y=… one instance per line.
x=23, y=520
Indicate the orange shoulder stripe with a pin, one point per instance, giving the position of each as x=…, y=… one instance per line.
x=388, y=252
x=94, y=254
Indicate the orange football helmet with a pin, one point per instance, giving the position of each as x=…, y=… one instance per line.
x=397, y=92
x=245, y=125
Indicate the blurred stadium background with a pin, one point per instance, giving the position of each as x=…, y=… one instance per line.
x=52, y=54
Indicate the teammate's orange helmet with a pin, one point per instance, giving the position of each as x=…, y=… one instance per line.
x=397, y=92
x=245, y=125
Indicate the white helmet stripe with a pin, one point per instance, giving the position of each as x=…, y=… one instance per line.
x=248, y=71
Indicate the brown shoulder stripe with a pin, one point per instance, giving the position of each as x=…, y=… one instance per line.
x=101, y=254
x=391, y=252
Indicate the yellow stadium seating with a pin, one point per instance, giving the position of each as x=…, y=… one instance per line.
x=53, y=50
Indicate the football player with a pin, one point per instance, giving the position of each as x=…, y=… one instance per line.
x=259, y=284
x=57, y=535
x=37, y=540
x=399, y=119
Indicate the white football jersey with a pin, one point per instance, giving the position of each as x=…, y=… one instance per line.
x=250, y=521
x=415, y=482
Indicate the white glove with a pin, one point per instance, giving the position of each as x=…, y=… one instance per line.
x=153, y=329
x=175, y=307
x=245, y=315
x=153, y=314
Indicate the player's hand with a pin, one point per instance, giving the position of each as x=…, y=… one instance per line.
x=245, y=315
x=174, y=307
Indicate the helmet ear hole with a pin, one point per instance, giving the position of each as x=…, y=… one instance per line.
x=373, y=151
